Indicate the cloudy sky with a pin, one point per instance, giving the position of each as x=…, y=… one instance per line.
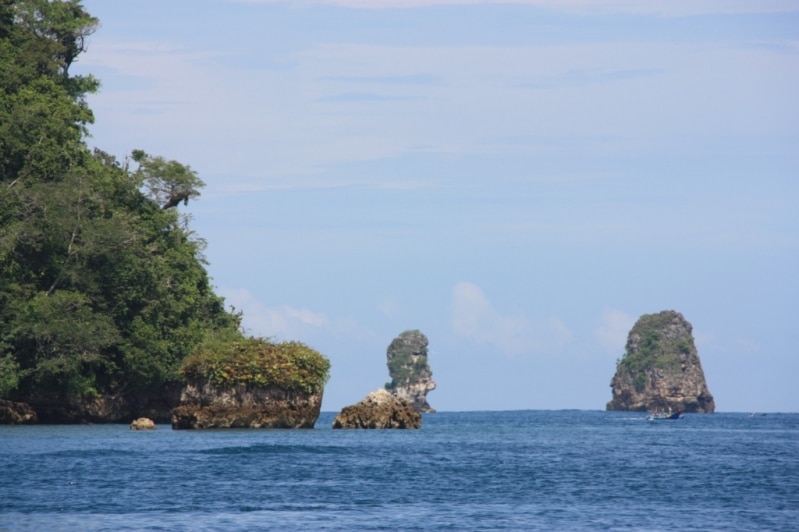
x=519, y=180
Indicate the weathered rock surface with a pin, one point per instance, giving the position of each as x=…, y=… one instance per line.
x=12, y=413
x=411, y=378
x=379, y=410
x=143, y=423
x=204, y=406
x=660, y=369
x=102, y=409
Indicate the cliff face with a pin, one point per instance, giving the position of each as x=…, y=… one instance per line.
x=660, y=369
x=411, y=378
x=206, y=406
x=101, y=409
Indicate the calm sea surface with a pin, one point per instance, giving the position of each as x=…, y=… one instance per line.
x=521, y=470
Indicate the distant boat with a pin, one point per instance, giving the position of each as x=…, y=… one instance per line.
x=671, y=415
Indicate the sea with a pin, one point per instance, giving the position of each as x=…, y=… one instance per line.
x=513, y=470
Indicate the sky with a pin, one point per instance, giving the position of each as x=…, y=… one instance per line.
x=519, y=180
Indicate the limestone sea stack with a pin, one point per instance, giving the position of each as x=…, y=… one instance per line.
x=252, y=383
x=660, y=369
x=242, y=406
x=411, y=378
x=379, y=410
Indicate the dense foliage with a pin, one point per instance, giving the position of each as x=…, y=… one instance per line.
x=654, y=348
x=407, y=359
x=259, y=362
x=103, y=289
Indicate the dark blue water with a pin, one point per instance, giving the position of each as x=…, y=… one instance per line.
x=520, y=470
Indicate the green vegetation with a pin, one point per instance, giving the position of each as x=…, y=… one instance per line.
x=655, y=350
x=260, y=362
x=103, y=287
x=407, y=360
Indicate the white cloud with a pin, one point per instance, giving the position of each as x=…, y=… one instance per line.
x=475, y=318
x=287, y=322
x=613, y=330
x=283, y=322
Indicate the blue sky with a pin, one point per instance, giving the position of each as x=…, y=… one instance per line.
x=518, y=180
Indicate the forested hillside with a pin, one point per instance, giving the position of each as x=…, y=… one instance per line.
x=103, y=288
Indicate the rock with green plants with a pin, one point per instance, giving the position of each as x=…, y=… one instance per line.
x=252, y=383
x=660, y=370
x=408, y=367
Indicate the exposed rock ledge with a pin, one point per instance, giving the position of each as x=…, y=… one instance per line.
x=12, y=413
x=660, y=369
x=205, y=406
x=102, y=409
x=379, y=410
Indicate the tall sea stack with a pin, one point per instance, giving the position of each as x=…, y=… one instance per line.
x=660, y=369
x=411, y=378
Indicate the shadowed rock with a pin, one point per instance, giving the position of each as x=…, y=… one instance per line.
x=12, y=413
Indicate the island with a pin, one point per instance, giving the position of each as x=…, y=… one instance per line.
x=401, y=403
x=411, y=377
x=660, y=370
x=252, y=383
x=107, y=310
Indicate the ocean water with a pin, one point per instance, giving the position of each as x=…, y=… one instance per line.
x=518, y=470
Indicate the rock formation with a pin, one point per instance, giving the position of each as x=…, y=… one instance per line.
x=411, y=378
x=660, y=369
x=143, y=423
x=12, y=413
x=205, y=406
x=379, y=410
x=100, y=409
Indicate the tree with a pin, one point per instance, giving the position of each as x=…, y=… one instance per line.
x=103, y=290
x=166, y=182
x=43, y=112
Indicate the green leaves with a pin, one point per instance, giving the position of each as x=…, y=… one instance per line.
x=49, y=35
x=42, y=109
x=166, y=182
x=63, y=340
x=259, y=362
x=102, y=285
x=9, y=374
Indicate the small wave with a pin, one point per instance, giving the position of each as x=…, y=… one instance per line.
x=266, y=448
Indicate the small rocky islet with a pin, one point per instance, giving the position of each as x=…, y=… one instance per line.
x=660, y=370
x=401, y=403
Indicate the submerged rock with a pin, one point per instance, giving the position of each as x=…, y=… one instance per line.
x=379, y=410
x=411, y=378
x=660, y=369
x=205, y=406
x=143, y=423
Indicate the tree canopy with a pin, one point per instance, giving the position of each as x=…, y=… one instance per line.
x=103, y=290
